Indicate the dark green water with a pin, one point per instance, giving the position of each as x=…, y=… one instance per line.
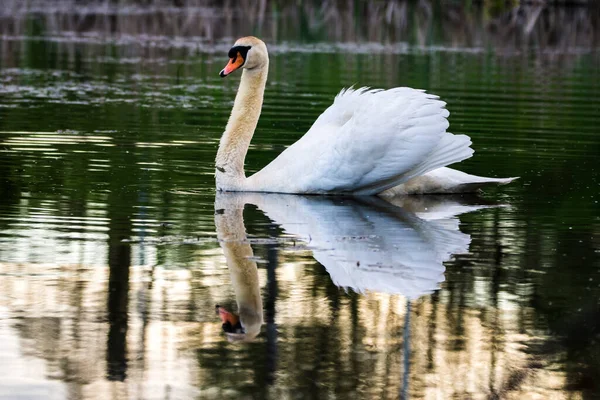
x=111, y=268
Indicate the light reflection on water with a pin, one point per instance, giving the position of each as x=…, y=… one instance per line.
x=174, y=350
x=111, y=262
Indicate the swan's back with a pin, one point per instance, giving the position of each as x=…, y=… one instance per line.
x=367, y=141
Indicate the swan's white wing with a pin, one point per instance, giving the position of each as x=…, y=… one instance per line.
x=367, y=142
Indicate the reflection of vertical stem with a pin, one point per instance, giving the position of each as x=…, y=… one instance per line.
x=431, y=341
x=270, y=311
x=119, y=206
x=142, y=198
x=146, y=300
x=118, y=299
x=496, y=279
x=78, y=299
x=145, y=291
x=356, y=337
x=406, y=353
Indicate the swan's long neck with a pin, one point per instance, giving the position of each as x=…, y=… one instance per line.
x=240, y=129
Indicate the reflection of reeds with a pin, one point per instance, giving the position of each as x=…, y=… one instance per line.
x=423, y=22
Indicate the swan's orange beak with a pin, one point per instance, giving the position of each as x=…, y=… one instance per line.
x=226, y=316
x=234, y=63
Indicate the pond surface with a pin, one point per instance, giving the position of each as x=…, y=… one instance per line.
x=115, y=249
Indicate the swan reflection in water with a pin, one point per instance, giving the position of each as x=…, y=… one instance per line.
x=395, y=246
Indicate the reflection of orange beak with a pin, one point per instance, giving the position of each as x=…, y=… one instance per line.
x=226, y=316
x=234, y=63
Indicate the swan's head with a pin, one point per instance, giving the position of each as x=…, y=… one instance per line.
x=240, y=328
x=248, y=52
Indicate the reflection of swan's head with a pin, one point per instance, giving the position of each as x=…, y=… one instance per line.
x=242, y=328
x=248, y=52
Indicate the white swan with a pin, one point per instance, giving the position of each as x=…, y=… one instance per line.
x=369, y=142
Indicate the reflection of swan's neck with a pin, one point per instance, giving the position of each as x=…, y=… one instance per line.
x=244, y=273
x=240, y=128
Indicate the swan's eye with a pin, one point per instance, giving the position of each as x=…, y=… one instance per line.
x=242, y=50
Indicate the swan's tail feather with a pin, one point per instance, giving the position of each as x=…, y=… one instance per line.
x=444, y=181
x=496, y=181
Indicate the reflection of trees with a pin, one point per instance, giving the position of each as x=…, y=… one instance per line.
x=535, y=277
x=479, y=335
x=569, y=296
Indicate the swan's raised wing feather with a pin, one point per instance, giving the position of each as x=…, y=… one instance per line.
x=367, y=141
